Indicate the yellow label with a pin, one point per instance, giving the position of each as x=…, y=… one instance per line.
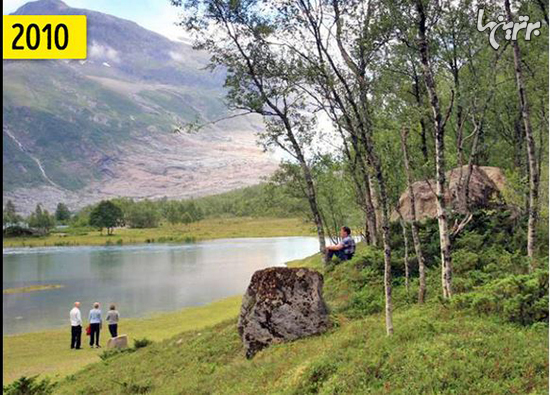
x=44, y=37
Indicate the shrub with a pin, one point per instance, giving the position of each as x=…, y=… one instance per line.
x=517, y=298
x=29, y=386
x=135, y=388
x=140, y=343
x=107, y=354
x=465, y=261
x=365, y=302
x=315, y=376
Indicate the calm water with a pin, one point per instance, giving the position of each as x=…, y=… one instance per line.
x=140, y=279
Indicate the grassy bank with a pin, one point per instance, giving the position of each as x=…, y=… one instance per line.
x=432, y=351
x=218, y=228
x=491, y=337
x=48, y=353
x=435, y=349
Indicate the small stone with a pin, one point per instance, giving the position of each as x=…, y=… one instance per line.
x=118, y=342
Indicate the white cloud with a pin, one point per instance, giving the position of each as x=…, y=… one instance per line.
x=103, y=52
x=178, y=57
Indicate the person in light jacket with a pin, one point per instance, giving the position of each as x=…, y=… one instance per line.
x=76, y=326
x=112, y=319
x=95, y=325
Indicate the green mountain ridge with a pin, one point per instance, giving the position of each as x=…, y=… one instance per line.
x=73, y=130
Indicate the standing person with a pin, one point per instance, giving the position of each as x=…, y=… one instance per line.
x=76, y=326
x=112, y=319
x=343, y=250
x=95, y=325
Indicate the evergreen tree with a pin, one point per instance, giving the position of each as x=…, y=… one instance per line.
x=62, y=213
x=10, y=216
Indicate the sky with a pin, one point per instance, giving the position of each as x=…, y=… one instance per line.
x=156, y=15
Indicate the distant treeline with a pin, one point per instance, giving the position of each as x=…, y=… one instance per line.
x=282, y=196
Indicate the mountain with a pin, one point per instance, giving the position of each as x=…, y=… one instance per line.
x=81, y=130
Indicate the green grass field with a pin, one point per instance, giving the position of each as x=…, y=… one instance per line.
x=436, y=348
x=48, y=353
x=433, y=351
x=218, y=228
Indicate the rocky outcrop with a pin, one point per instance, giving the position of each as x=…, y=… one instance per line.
x=282, y=304
x=485, y=186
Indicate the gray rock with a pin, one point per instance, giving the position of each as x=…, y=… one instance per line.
x=282, y=304
x=118, y=342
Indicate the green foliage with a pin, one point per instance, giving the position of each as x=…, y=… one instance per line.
x=10, y=216
x=106, y=215
x=315, y=377
x=41, y=219
x=141, y=343
x=29, y=386
x=108, y=354
x=521, y=299
x=136, y=388
x=142, y=214
x=263, y=200
x=475, y=341
x=62, y=213
x=365, y=302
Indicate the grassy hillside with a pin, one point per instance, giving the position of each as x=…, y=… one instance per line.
x=433, y=351
x=73, y=122
x=491, y=338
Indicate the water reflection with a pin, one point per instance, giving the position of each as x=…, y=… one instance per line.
x=140, y=279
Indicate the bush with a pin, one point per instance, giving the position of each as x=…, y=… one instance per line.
x=365, y=302
x=29, y=386
x=140, y=343
x=465, y=261
x=315, y=376
x=107, y=354
x=521, y=299
x=135, y=388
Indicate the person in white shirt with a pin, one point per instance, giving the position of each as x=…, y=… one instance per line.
x=76, y=326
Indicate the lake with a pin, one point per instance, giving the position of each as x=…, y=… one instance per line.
x=139, y=279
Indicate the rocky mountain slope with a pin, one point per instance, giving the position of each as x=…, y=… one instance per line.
x=78, y=131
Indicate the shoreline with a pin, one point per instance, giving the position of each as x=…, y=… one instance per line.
x=208, y=229
x=47, y=352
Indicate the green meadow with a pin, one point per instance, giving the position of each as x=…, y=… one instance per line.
x=444, y=347
x=212, y=228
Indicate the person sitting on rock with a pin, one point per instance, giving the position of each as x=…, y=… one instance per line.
x=343, y=250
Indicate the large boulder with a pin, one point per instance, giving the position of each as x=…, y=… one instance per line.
x=282, y=304
x=485, y=187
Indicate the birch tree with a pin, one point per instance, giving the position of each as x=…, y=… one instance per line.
x=533, y=167
x=439, y=122
x=260, y=81
x=414, y=224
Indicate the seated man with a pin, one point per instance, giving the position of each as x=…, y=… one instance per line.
x=343, y=250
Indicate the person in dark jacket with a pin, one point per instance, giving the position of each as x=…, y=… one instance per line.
x=343, y=250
